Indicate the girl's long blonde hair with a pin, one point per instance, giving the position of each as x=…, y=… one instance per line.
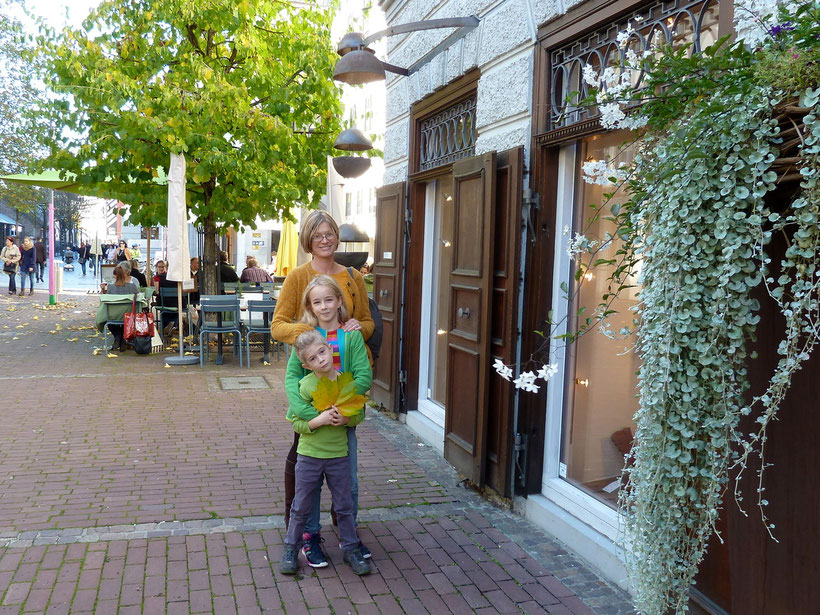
x=322, y=280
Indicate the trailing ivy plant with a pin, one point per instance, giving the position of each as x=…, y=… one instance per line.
x=696, y=229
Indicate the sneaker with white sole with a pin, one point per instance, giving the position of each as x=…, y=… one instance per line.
x=312, y=549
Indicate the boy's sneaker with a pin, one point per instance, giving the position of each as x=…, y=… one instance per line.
x=358, y=563
x=365, y=551
x=312, y=548
x=290, y=560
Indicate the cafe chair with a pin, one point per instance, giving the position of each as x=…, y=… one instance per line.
x=260, y=315
x=226, y=309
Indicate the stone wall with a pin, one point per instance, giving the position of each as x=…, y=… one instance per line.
x=501, y=47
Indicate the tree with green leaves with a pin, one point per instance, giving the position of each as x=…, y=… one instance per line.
x=242, y=89
x=18, y=139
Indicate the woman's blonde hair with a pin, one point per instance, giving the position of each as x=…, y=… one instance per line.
x=27, y=241
x=322, y=280
x=310, y=224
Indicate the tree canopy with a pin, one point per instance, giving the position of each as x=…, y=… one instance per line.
x=18, y=140
x=243, y=89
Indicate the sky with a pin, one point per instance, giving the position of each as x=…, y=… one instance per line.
x=60, y=13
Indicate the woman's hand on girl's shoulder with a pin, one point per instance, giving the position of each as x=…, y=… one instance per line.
x=351, y=324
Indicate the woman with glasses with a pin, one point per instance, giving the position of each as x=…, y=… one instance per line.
x=319, y=237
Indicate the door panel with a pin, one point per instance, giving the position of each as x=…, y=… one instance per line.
x=468, y=347
x=504, y=321
x=387, y=287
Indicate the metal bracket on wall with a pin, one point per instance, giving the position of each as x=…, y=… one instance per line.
x=520, y=456
x=531, y=201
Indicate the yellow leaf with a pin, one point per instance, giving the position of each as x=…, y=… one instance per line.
x=111, y=355
x=43, y=345
x=351, y=406
x=97, y=351
x=326, y=393
x=36, y=317
x=72, y=339
x=15, y=338
x=265, y=363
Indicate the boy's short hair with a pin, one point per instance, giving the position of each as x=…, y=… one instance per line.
x=305, y=341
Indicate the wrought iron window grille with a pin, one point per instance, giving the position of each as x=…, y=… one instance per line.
x=675, y=22
x=449, y=135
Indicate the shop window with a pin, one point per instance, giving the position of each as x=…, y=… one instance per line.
x=601, y=387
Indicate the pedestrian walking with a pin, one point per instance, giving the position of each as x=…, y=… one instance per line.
x=28, y=263
x=83, y=254
x=11, y=259
x=111, y=253
x=40, y=250
x=323, y=452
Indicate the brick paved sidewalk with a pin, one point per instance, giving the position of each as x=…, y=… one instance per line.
x=128, y=487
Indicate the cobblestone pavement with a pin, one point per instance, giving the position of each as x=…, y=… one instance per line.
x=131, y=487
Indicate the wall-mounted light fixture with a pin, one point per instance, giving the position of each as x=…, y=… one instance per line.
x=359, y=63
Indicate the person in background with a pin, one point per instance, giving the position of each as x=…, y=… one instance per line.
x=135, y=252
x=123, y=285
x=126, y=265
x=161, y=269
x=111, y=253
x=11, y=257
x=28, y=261
x=194, y=296
x=271, y=269
x=254, y=273
x=226, y=272
x=83, y=254
x=136, y=273
x=40, y=250
x=122, y=253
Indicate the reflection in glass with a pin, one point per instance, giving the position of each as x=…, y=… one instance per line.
x=443, y=232
x=601, y=375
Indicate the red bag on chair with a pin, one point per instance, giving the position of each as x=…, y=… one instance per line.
x=129, y=330
x=144, y=324
x=137, y=324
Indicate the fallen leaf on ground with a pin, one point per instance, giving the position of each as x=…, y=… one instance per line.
x=97, y=351
x=265, y=363
x=111, y=355
x=72, y=339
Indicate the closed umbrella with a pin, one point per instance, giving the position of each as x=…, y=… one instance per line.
x=179, y=254
x=288, y=249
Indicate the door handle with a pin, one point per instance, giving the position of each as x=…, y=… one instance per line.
x=464, y=312
x=383, y=293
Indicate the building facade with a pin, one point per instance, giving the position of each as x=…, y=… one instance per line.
x=483, y=188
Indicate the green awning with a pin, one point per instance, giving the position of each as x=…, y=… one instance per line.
x=51, y=179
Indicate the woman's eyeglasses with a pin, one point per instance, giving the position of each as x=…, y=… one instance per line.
x=326, y=236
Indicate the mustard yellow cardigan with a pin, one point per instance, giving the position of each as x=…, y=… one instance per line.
x=286, y=326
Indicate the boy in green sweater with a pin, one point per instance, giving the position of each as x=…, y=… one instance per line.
x=322, y=454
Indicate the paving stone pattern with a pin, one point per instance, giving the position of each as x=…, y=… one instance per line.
x=129, y=487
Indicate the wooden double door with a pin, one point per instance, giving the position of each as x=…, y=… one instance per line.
x=476, y=306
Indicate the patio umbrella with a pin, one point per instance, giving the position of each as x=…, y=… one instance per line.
x=71, y=183
x=179, y=254
x=288, y=249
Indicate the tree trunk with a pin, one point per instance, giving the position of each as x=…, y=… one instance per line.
x=210, y=258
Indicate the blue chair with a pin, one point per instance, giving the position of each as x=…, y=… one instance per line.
x=232, y=288
x=226, y=309
x=260, y=315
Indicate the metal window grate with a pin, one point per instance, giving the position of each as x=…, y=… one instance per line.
x=449, y=135
x=676, y=22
